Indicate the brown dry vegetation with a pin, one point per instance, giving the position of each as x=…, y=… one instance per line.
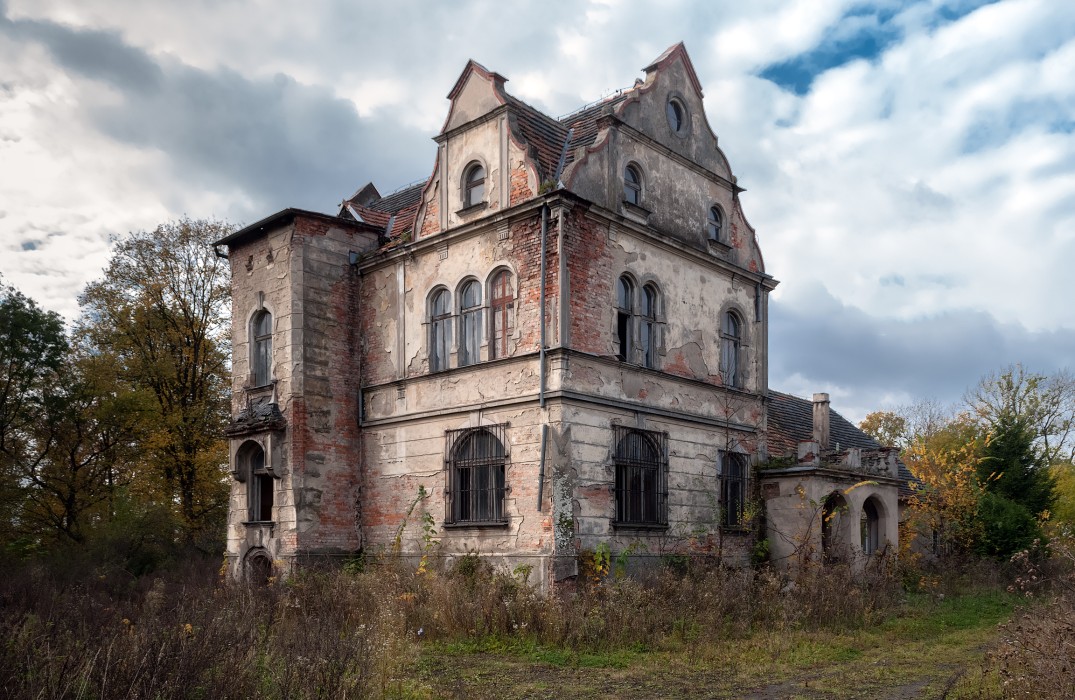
x=391, y=629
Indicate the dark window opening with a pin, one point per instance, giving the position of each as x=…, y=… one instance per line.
x=475, y=465
x=674, y=111
x=260, y=484
x=625, y=309
x=733, y=482
x=870, y=526
x=648, y=329
x=261, y=355
x=641, y=466
x=730, y=360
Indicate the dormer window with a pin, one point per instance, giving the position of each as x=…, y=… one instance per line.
x=474, y=185
x=715, y=224
x=632, y=185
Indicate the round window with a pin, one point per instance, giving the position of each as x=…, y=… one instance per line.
x=676, y=115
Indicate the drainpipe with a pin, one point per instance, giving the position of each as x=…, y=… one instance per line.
x=541, y=464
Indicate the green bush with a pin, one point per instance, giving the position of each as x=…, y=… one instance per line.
x=1007, y=527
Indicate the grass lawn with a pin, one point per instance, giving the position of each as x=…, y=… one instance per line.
x=931, y=649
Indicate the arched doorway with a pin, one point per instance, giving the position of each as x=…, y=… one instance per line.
x=258, y=568
x=832, y=543
x=870, y=526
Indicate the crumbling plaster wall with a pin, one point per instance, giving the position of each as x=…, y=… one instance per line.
x=794, y=503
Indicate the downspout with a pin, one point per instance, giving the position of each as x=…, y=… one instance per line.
x=541, y=304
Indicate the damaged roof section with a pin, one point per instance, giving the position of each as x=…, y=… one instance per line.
x=393, y=214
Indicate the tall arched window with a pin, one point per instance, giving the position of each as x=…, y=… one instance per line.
x=648, y=326
x=473, y=185
x=470, y=323
x=625, y=310
x=632, y=185
x=259, y=482
x=261, y=348
x=715, y=225
x=730, y=360
x=870, y=526
x=502, y=308
x=476, y=465
x=440, y=330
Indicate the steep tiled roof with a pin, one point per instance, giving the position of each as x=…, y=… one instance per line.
x=583, y=123
x=397, y=201
x=543, y=133
x=791, y=421
x=394, y=213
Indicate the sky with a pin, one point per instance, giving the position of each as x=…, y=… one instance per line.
x=909, y=166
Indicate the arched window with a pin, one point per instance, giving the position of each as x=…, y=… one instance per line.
x=632, y=185
x=476, y=464
x=502, y=307
x=473, y=185
x=440, y=330
x=870, y=527
x=470, y=323
x=733, y=480
x=831, y=542
x=259, y=482
x=648, y=328
x=730, y=360
x=261, y=348
x=640, y=477
x=715, y=225
x=625, y=311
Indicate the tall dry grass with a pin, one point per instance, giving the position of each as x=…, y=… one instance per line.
x=187, y=633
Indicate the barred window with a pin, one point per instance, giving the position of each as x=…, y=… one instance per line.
x=475, y=463
x=259, y=484
x=733, y=483
x=641, y=466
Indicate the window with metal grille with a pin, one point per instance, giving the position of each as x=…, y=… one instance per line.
x=475, y=462
x=470, y=323
x=440, y=330
x=502, y=307
x=641, y=459
x=259, y=486
x=733, y=488
x=261, y=348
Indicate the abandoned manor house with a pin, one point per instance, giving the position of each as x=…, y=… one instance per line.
x=558, y=342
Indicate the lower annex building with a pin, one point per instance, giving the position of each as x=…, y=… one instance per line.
x=558, y=340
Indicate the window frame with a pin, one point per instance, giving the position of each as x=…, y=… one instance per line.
x=464, y=506
x=734, y=477
x=625, y=315
x=501, y=313
x=261, y=333
x=632, y=184
x=260, y=483
x=715, y=224
x=640, y=507
x=474, y=176
x=648, y=320
x=731, y=349
x=674, y=108
x=470, y=323
x=440, y=329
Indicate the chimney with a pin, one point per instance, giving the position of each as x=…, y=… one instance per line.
x=821, y=420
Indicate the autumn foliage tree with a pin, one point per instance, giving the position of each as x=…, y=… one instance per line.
x=161, y=314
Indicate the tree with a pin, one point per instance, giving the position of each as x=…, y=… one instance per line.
x=162, y=313
x=1045, y=402
x=887, y=427
x=32, y=348
x=1013, y=469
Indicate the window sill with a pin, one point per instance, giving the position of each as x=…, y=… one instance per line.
x=472, y=209
x=636, y=211
x=483, y=524
x=639, y=526
x=260, y=523
x=718, y=246
x=734, y=530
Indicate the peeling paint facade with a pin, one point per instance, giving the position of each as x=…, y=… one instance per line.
x=558, y=341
